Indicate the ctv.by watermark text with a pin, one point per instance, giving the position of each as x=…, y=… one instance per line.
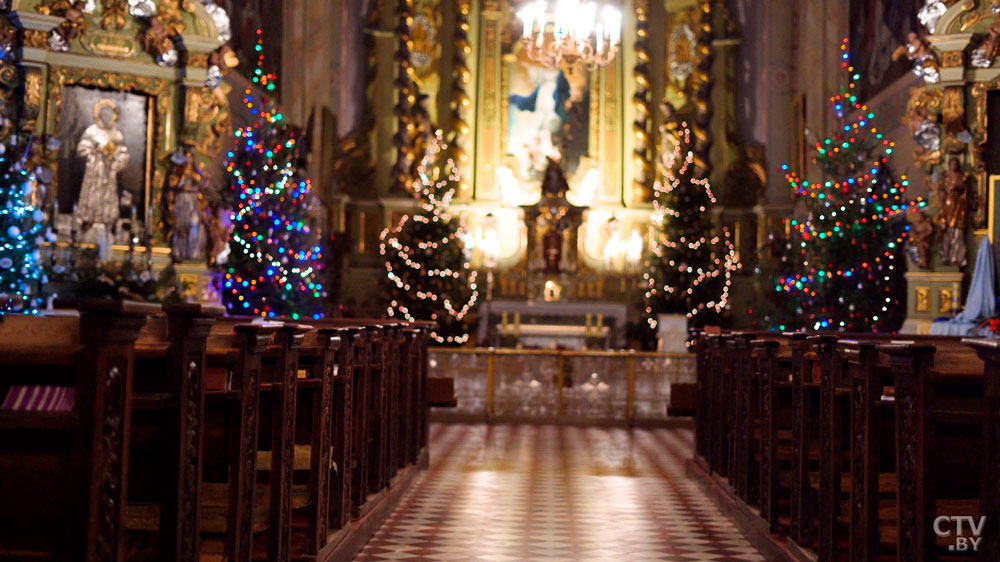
x=956, y=527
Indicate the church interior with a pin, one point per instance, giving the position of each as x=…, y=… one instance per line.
x=499, y=280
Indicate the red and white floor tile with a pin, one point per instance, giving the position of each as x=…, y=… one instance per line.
x=545, y=493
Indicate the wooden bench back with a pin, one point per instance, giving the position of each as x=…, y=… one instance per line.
x=65, y=472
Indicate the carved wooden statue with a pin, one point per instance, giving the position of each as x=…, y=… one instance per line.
x=38, y=166
x=218, y=235
x=157, y=42
x=186, y=207
x=982, y=56
x=71, y=27
x=952, y=215
x=921, y=236
x=552, y=244
x=554, y=182
x=919, y=53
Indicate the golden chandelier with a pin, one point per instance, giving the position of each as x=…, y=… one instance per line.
x=575, y=31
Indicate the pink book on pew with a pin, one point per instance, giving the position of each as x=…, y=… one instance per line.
x=39, y=398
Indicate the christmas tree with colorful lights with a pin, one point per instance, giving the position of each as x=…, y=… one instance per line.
x=689, y=269
x=275, y=263
x=427, y=272
x=845, y=265
x=20, y=226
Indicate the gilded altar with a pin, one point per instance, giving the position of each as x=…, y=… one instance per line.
x=107, y=97
x=504, y=115
x=954, y=116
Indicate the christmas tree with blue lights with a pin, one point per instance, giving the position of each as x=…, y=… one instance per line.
x=20, y=226
x=275, y=263
x=844, y=264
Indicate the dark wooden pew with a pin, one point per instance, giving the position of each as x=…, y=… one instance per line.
x=940, y=425
x=779, y=362
x=218, y=414
x=65, y=471
x=166, y=434
x=234, y=358
x=858, y=442
x=317, y=426
x=279, y=390
x=989, y=352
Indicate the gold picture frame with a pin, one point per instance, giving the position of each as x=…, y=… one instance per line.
x=159, y=122
x=605, y=132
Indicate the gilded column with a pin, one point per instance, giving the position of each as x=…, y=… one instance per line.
x=642, y=191
x=369, y=121
x=489, y=102
x=10, y=79
x=702, y=88
x=460, y=97
x=406, y=97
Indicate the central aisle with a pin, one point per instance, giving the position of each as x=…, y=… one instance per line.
x=551, y=493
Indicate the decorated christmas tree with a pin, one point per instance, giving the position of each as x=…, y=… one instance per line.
x=844, y=259
x=20, y=225
x=427, y=273
x=689, y=269
x=275, y=262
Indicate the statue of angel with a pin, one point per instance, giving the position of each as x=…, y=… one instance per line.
x=919, y=52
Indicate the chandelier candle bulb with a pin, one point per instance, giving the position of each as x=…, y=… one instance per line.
x=574, y=32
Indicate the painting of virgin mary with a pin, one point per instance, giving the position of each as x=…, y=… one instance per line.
x=548, y=116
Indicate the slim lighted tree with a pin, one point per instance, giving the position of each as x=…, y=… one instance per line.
x=427, y=272
x=689, y=270
x=845, y=266
x=275, y=262
x=20, y=225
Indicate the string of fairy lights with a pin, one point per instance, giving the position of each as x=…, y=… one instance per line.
x=20, y=272
x=264, y=176
x=722, y=265
x=435, y=191
x=843, y=210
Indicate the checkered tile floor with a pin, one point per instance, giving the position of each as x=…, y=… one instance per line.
x=544, y=493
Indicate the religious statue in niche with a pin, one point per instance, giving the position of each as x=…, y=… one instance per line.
x=554, y=185
x=952, y=215
x=555, y=180
x=921, y=237
x=39, y=168
x=681, y=55
x=219, y=225
x=918, y=51
x=101, y=144
x=186, y=207
x=921, y=118
x=552, y=248
x=953, y=118
x=548, y=116
x=682, y=51
x=103, y=147
x=425, y=51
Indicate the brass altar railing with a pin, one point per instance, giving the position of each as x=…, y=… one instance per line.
x=624, y=386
